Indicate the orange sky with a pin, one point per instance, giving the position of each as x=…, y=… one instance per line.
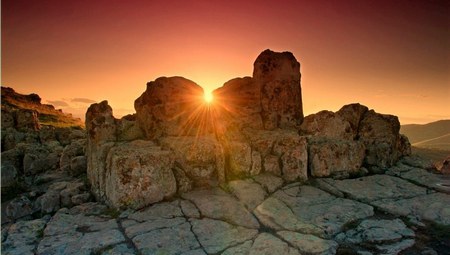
x=392, y=56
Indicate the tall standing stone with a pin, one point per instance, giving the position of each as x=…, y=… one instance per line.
x=278, y=75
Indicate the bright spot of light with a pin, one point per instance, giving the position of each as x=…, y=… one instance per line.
x=208, y=96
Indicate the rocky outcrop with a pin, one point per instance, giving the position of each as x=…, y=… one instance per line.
x=170, y=106
x=278, y=76
x=255, y=125
x=37, y=152
x=351, y=134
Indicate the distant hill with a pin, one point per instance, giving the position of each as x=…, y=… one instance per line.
x=434, y=135
x=47, y=114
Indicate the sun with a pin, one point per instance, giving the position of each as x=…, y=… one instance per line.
x=208, y=97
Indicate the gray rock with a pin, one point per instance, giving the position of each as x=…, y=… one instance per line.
x=217, y=204
x=120, y=249
x=166, y=210
x=73, y=232
x=432, y=207
x=80, y=198
x=72, y=150
x=215, y=236
x=78, y=165
x=241, y=249
x=376, y=187
x=23, y=237
x=175, y=240
x=309, y=244
x=326, y=124
x=49, y=202
x=19, y=207
x=9, y=175
x=270, y=182
x=278, y=216
x=137, y=174
x=379, y=232
x=335, y=157
x=148, y=226
x=395, y=248
x=72, y=189
x=268, y=244
x=248, y=192
x=293, y=153
x=197, y=156
x=318, y=208
x=189, y=209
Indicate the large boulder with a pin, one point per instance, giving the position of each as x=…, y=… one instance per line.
x=138, y=174
x=326, y=124
x=200, y=158
x=380, y=135
x=335, y=157
x=238, y=104
x=278, y=76
x=170, y=106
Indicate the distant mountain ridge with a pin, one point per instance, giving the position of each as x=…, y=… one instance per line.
x=434, y=135
x=46, y=113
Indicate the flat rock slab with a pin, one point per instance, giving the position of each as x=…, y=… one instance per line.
x=397, y=196
x=248, y=192
x=433, y=207
x=217, y=204
x=376, y=187
x=23, y=237
x=215, y=235
x=309, y=244
x=175, y=240
x=308, y=210
x=383, y=236
x=72, y=232
x=421, y=177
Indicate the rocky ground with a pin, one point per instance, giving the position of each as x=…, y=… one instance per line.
x=248, y=174
x=403, y=211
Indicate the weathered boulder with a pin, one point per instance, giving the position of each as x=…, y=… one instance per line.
x=170, y=106
x=200, y=158
x=100, y=123
x=278, y=76
x=335, y=157
x=326, y=124
x=137, y=174
x=380, y=135
x=293, y=153
x=238, y=104
x=353, y=114
x=74, y=149
x=78, y=165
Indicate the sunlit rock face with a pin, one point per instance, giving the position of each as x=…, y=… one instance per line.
x=341, y=143
x=170, y=106
x=177, y=141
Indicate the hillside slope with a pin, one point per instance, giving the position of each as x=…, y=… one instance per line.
x=47, y=114
x=434, y=135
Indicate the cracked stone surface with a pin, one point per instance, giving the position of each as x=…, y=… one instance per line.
x=217, y=204
x=253, y=216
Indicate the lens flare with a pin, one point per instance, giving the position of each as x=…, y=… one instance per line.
x=208, y=97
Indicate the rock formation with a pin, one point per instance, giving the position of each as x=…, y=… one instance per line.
x=255, y=125
x=42, y=160
x=251, y=162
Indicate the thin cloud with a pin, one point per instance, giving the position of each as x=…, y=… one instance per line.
x=58, y=103
x=83, y=100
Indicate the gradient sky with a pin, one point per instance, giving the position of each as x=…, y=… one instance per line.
x=392, y=56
